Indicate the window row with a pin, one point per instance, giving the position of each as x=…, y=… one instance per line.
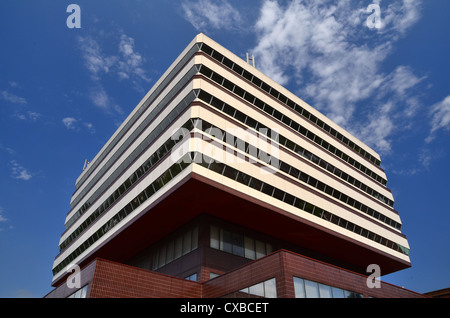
x=283, y=99
x=148, y=140
x=171, y=251
x=239, y=176
x=231, y=111
x=80, y=293
x=289, y=122
x=155, y=158
x=296, y=202
x=238, y=243
x=296, y=173
x=305, y=288
x=154, y=187
x=156, y=92
x=266, y=289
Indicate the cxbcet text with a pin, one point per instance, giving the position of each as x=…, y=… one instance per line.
x=245, y=307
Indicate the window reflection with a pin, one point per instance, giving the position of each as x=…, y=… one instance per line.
x=266, y=289
x=304, y=288
x=80, y=293
x=237, y=243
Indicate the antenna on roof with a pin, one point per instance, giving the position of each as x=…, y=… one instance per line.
x=252, y=58
x=86, y=163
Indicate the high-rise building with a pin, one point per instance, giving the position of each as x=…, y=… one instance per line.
x=222, y=183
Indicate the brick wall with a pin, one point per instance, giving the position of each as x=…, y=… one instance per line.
x=283, y=265
x=108, y=279
x=118, y=280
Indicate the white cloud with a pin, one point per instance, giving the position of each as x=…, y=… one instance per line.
x=124, y=64
x=94, y=60
x=12, y=98
x=378, y=129
x=440, y=117
x=101, y=99
x=90, y=127
x=325, y=49
x=2, y=218
x=204, y=14
x=127, y=63
x=29, y=115
x=10, y=151
x=69, y=122
x=19, y=172
x=75, y=124
x=399, y=16
x=132, y=61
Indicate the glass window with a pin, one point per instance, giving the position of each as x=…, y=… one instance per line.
x=229, y=85
x=247, y=75
x=249, y=246
x=239, y=91
x=309, y=289
x=178, y=247
x=289, y=199
x=350, y=294
x=170, y=250
x=265, y=87
x=217, y=78
x=312, y=289
x=187, y=242
x=255, y=184
x=337, y=292
x=205, y=71
x=194, y=243
x=265, y=289
x=192, y=277
x=244, y=290
x=257, y=290
x=256, y=81
x=278, y=194
x=213, y=275
x=227, y=62
x=260, y=249
x=225, y=240
x=299, y=288
x=325, y=291
x=229, y=110
x=214, y=241
x=205, y=48
x=237, y=69
x=80, y=293
x=270, y=288
x=238, y=244
x=267, y=189
x=162, y=256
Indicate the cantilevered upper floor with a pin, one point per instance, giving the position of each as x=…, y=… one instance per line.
x=214, y=135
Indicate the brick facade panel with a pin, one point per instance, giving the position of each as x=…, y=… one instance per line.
x=118, y=280
x=109, y=279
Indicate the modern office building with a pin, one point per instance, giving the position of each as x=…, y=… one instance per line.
x=222, y=183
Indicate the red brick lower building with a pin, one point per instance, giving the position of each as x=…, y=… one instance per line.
x=210, y=272
x=106, y=279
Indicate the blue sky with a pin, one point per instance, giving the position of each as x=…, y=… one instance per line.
x=63, y=93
